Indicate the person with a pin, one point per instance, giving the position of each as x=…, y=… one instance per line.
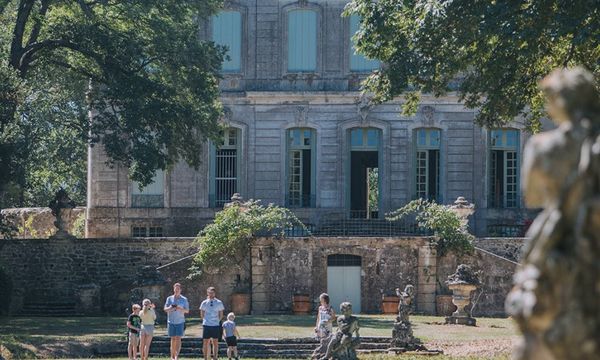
x=325, y=316
x=211, y=313
x=133, y=328
x=231, y=336
x=148, y=317
x=176, y=307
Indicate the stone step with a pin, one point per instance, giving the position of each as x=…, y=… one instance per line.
x=302, y=340
x=270, y=347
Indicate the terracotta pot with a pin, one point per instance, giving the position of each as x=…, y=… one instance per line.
x=301, y=304
x=240, y=304
x=444, y=305
x=389, y=304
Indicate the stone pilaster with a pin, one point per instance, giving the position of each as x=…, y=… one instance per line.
x=427, y=274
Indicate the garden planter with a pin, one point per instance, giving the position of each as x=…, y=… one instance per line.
x=444, y=305
x=240, y=303
x=301, y=304
x=389, y=304
x=461, y=297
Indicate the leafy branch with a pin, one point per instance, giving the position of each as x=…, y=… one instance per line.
x=449, y=231
x=231, y=234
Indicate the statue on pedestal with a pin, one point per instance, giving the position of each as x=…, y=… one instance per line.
x=60, y=202
x=341, y=345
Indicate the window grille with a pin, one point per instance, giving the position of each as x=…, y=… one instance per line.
x=301, y=163
x=146, y=231
x=504, y=168
x=226, y=166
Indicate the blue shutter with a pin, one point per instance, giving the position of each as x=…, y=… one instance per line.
x=357, y=61
x=302, y=40
x=227, y=31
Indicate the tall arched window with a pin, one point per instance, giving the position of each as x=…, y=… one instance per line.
x=302, y=40
x=227, y=31
x=427, y=170
x=301, y=165
x=504, y=168
x=225, y=168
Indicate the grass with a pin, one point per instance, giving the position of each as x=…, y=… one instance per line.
x=46, y=337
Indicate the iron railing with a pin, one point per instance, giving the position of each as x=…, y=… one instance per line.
x=147, y=201
x=512, y=230
x=359, y=227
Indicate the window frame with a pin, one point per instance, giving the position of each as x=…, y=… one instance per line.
x=426, y=148
x=208, y=32
x=350, y=48
x=212, y=200
x=285, y=37
x=505, y=148
x=289, y=148
x=133, y=187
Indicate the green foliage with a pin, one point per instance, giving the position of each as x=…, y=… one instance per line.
x=78, y=227
x=7, y=227
x=445, y=224
x=139, y=66
x=232, y=232
x=492, y=52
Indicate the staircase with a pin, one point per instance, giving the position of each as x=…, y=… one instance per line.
x=297, y=348
x=56, y=309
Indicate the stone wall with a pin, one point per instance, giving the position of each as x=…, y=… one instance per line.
x=38, y=222
x=63, y=271
x=72, y=271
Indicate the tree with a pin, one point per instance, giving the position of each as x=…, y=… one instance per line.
x=140, y=67
x=492, y=52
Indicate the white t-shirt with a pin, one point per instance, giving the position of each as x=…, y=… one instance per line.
x=211, y=308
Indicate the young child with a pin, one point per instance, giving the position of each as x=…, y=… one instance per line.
x=325, y=318
x=133, y=325
x=231, y=335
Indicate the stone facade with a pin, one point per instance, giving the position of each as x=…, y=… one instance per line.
x=264, y=100
x=105, y=271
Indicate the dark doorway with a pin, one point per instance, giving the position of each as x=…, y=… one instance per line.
x=361, y=165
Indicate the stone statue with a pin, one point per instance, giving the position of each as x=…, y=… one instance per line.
x=402, y=334
x=556, y=296
x=341, y=345
x=61, y=201
x=405, y=304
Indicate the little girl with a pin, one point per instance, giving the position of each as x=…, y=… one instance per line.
x=148, y=317
x=325, y=317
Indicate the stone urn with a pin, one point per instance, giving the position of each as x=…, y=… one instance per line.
x=462, y=283
x=461, y=297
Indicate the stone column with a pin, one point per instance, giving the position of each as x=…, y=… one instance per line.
x=427, y=275
x=260, y=270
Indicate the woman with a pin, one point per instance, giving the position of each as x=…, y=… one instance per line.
x=148, y=317
x=325, y=317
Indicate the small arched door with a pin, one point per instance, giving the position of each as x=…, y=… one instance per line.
x=343, y=280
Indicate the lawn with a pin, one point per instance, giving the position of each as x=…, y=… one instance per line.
x=66, y=337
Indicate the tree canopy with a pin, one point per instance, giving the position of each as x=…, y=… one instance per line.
x=140, y=67
x=493, y=53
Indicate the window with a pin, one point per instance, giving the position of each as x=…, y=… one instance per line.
x=151, y=196
x=428, y=164
x=301, y=168
x=225, y=168
x=504, y=166
x=227, y=31
x=364, y=139
x=359, y=62
x=146, y=231
x=302, y=40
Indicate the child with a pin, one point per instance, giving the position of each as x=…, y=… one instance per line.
x=133, y=325
x=231, y=335
x=325, y=317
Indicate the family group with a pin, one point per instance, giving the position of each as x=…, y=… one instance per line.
x=140, y=326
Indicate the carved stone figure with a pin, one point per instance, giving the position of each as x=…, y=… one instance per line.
x=556, y=297
x=341, y=345
x=402, y=335
x=60, y=202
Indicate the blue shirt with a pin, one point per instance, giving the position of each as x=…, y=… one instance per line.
x=177, y=316
x=229, y=327
x=211, y=309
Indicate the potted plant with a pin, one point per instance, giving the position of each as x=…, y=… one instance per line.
x=443, y=301
x=301, y=304
x=462, y=283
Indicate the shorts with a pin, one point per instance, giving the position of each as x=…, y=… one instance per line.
x=175, y=329
x=134, y=339
x=147, y=329
x=211, y=332
x=231, y=341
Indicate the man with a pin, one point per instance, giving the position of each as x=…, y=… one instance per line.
x=211, y=313
x=176, y=307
